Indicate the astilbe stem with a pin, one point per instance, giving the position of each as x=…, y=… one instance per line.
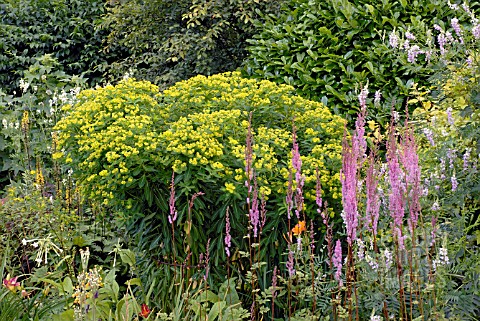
x=312, y=270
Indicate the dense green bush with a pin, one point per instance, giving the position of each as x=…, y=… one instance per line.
x=169, y=41
x=64, y=28
x=326, y=49
x=123, y=142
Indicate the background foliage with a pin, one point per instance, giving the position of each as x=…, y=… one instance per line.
x=66, y=29
x=169, y=41
x=328, y=49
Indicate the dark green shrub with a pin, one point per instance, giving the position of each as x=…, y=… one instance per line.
x=169, y=41
x=64, y=28
x=326, y=49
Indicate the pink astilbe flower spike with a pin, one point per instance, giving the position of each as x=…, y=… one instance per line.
x=289, y=197
x=396, y=197
x=318, y=198
x=290, y=262
x=274, y=283
x=352, y=158
x=263, y=212
x=228, y=237
x=410, y=163
x=373, y=201
x=337, y=262
x=207, y=260
x=172, y=217
x=359, y=143
x=299, y=178
x=348, y=178
x=249, y=155
x=254, y=213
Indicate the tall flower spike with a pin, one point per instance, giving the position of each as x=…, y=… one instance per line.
x=337, y=262
x=289, y=197
x=396, y=196
x=249, y=155
x=299, y=178
x=172, y=217
x=348, y=178
x=207, y=260
x=359, y=143
x=318, y=197
x=263, y=212
x=274, y=283
x=352, y=158
x=228, y=237
x=290, y=262
x=254, y=214
x=412, y=168
x=373, y=202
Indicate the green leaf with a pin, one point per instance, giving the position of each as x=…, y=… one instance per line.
x=134, y=281
x=64, y=316
x=215, y=310
x=67, y=285
x=228, y=293
x=300, y=56
x=128, y=257
x=369, y=66
x=208, y=296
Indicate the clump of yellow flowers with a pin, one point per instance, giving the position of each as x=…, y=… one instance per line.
x=123, y=138
x=111, y=138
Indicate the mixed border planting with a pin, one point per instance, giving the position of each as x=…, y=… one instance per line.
x=239, y=160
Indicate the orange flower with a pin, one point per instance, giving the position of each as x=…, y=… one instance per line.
x=299, y=228
x=145, y=311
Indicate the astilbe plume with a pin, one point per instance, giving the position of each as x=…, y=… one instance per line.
x=252, y=203
x=263, y=212
x=299, y=178
x=352, y=158
x=410, y=163
x=289, y=197
x=228, y=237
x=254, y=213
x=337, y=262
x=274, y=284
x=373, y=202
x=396, y=196
x=349, y=191
x=207, y=260
x=290, y=262
x=249, y=155
x=359, y=143
x=318, y=197
x=172, y=217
